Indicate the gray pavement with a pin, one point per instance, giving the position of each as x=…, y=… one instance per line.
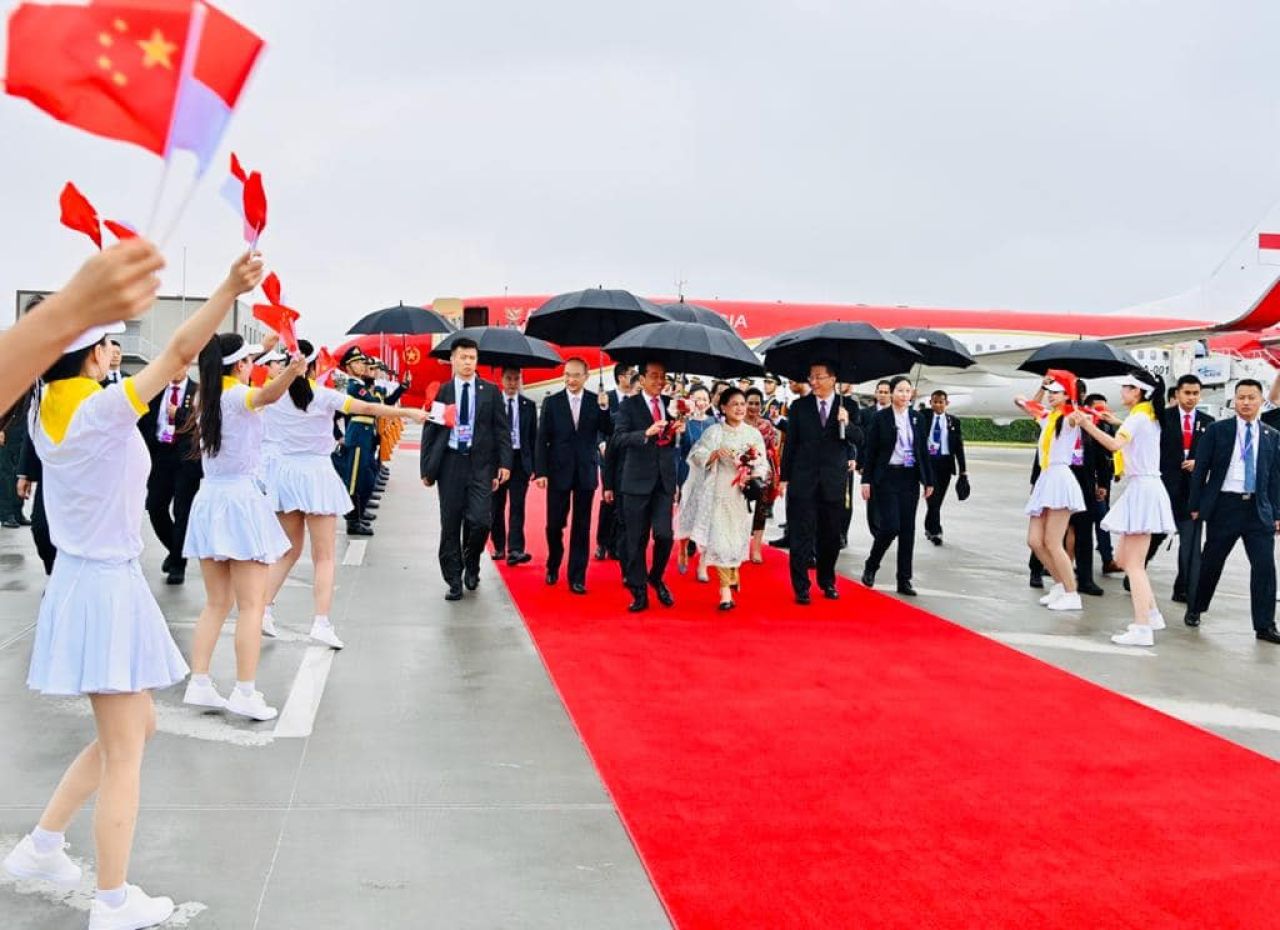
x=428, y=775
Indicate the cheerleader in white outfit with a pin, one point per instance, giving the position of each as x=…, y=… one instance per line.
x=232, y=529
x=274, y=361
x=305, y=489
x=1055, y=497
x=100, y=631
x=1143, y=507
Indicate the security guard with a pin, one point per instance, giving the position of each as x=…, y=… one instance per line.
x=356, y=454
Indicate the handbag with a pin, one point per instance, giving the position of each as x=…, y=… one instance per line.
x=753, y=490
x=962, y=487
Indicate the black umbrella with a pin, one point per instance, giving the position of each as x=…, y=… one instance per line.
x=503, y=347
x=1084, y=358
x=936, y=348
x=687, y=347
x=859, y=351
x=402, y=321
x=591, y=317
x=692, y=313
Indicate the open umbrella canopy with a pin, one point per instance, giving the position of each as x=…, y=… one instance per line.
x=592, y=317
x=859, y=351
x=936, y=348
x=687, y=347
x=692, y=313
x=1085, y=358
x=402, y=321
x=503, y=347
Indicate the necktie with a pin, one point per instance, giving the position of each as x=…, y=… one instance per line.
x=657, y=410
x=515, y=425
x=822, y=411
x=937, y=435
x=1250, y=467
x=574, y=408
x=464, y=413
x=1186, y=432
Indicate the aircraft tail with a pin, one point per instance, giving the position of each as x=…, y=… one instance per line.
x=1242, y=293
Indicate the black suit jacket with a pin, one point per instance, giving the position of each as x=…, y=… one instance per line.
x=644, y=464
x=29, y=464
x=569, y=457
x=1176, y=481
x=881, y=439
x=180, y=449
x=491, y=436
x=815, y=455
x=1213, y=459
x=955, y=436
x=527, y=411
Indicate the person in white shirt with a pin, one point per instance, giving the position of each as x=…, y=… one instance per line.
x=100, y=631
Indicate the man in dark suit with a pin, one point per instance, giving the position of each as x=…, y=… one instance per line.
x=817, y=457
x=522, y=414
x=608, y=527
x=894, y=469
x=466, y=447
x=1235, y=487
x=31, y=477
x=175, y=472
x=647, y=483
x=944, y=443
x=1181, y=430
x=568, y=466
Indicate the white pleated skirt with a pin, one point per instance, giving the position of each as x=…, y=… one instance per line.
x=1143, y=507
x=100, y=631
x=1055, y=489
x=232, y=519
x=307, y=483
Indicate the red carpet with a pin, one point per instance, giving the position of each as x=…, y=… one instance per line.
x=863, y=764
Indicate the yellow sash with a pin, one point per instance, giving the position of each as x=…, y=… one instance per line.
x=60, y=401
x=1149, y=412
x=1047, y=436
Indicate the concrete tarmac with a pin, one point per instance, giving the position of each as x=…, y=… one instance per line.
x=428, y=775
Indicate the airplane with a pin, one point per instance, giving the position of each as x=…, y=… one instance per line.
x=1235, y=313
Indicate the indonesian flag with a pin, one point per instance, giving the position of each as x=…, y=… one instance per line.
x=1269, y=248
x=243, y=190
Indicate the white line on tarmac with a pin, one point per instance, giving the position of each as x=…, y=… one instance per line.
x=1203, y=713
x=81, y=896
x=355, y=552
x=299, y=714
x=1073, y=643
x=183, y=720
x=934, y=592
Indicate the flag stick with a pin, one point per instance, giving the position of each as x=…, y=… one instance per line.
x=159, y=196
x=182, y=209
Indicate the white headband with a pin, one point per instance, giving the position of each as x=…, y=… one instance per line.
x=243, y=352
x=1053, y=387
x=93, y=336
x=1131, y=381
x=275, y=355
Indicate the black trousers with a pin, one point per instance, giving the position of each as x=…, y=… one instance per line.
x=10, y=502
x=40, y=531
x=944, y=469
x=847, y=503
x=171, y=487
x=644, y=515
x=1235, y=518
x=466, y=498
x=813, y=524
x=1190, y=533
x=899, y=495
x=606, y=527
x=508, y=528
x=559, y=505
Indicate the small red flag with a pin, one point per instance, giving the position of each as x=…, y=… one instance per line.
x=120, y=230
x=429, y=395
x=237, y=170
x=271, y=287
x=255, y=204
x=79, y=214
x=280, y=320
x=325, y=363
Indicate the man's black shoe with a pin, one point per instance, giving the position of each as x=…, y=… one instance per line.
x=601, y=553
x=830, y=593
x=869, y=578
x=639, y=601
x=358, y=529
x=802, y=598
x=176, y=577
x=904, y=588
x=1091, y=589
x=167, y=565
x=471, y=578
x=844, y=541
x=518, y=558
x=782, y=542
x=1179, y=597
x=454, y=593
x=1126, y=582
x=1269, y=636
x=577, y=587
x=663, y=593
x=499, y=555
x=368, y=517
x=1191, y=618
x=936, y=540
x=1037, y=580
x=9, y=523
x=23, y=520
x=553, y=575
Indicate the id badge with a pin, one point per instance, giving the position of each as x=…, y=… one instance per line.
x=1077, y=457
x=934, y=448
x=463, y=433
x=908, y=457
x=166, y=435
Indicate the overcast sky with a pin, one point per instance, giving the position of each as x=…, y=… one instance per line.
x=1057, y=154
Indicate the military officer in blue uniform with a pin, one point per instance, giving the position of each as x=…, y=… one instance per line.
x=356, y=460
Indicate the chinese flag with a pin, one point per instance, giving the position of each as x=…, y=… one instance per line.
x=324, y=364
x=279, y=319
x=110, y=70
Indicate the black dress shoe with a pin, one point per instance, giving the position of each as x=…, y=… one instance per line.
x=869, y=578
x=518, y=558
x=358, y=529
x=9, y=523
x=176, y=577
x=802, y=598
x=577, y=587
x=22, y=520
x=830, y=592
x=167, y=565
x=499, y=555
x=368, y=517
x=905, y=589
x=1091, y=589
x=1037, y=580
x=936, y=540
x=727, y=605
x=1191, y=618
x=1269, y=636
x=454, y=593
x=844, y=542
x=1179, y=597
x=639, y=602
x=553, y=575
x=471, y=578
x=601, y=553
x=663, y=593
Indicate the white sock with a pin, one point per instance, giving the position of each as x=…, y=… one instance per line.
x=202, y=680
x=113, y=897
x=46, y=841
x=245, y=688
x=267, y=615
x=323, y=620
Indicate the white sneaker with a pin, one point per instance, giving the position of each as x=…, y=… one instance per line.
x=1136, y=635
x=202, y=695
x=1068, y=601
x=139, y=910
x=269, y=626
x=254, y=706
x=26, y=862
x=1155, y=619
x=1054, y=593
x=322, y=631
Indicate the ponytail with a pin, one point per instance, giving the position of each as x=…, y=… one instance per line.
x=300, y=388
x=206, y=425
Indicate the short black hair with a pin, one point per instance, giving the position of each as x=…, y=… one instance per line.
x=466, y=342
x=1188, y=379
x=1093, y=398
x=114, y=343
x=939, y=393
x=1249, y=382
x=896, y=380
x=620, y=369
x=755, y=392
x=886, y=383
x=826, y=363
x=507, y=368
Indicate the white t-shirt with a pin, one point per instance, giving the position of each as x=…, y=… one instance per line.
x=1142, y=453
x=1063, y=445
x=293, y=432
x=95, y=479
x=242, y=431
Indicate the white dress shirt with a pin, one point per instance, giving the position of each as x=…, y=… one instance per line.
x=1234, y=481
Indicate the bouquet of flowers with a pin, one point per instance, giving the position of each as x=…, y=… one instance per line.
x=746, y=465
x=677, y=409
